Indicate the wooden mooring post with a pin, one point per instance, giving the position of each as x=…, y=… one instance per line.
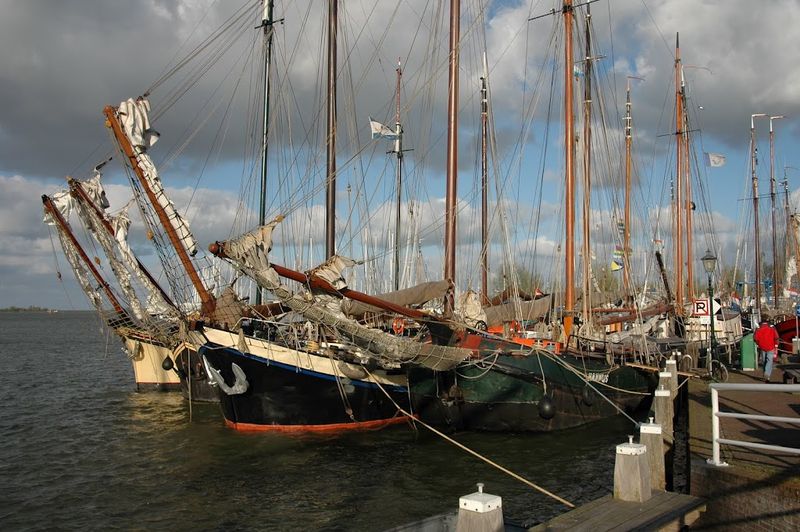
x=651, y=437
x=632, y=473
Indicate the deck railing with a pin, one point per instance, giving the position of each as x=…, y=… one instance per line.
x=716, y=415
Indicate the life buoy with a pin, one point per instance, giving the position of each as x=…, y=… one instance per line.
x=398, y=326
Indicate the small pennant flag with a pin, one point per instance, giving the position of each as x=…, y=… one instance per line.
x=618, y=251
x=616, y=266
x=714, y=160
x=379, y=131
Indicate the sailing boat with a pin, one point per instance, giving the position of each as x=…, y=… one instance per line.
x=459, y=376
x=147, y=331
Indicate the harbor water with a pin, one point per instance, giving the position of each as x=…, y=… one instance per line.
x=83, y=450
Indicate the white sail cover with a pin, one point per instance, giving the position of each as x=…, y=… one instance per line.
x=133, y=115
x=64, y=203
x=469, y=309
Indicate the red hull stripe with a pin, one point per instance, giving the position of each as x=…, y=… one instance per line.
x=320, y=429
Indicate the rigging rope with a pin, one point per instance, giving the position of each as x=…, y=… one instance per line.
x=470, y=451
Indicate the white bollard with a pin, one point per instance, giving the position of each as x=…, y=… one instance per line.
x=632, y=473
x=480, y=512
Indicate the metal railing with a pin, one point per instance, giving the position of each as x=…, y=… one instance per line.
x=716, y=415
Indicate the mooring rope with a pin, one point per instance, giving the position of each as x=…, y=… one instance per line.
x=589, y=383
x=470, y=451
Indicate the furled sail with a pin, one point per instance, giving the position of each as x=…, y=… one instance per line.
x=250, y=254
x=415, y=295
x=81, y=272
x=133, y=115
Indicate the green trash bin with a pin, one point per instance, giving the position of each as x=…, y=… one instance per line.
x=748, y=353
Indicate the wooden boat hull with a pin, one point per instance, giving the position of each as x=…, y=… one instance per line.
x=507, y=393
x=311, y=394
x=146, y=359
x=151, y=375
x=787, y=329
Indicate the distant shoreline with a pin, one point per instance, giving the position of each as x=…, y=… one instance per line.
x=40, y=310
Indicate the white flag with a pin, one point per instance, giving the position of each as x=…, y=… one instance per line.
x=715, y=159
x=379, y=131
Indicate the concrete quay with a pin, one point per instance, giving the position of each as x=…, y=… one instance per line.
x=759, y=489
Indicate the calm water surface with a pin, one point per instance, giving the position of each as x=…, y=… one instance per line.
x=82, y=449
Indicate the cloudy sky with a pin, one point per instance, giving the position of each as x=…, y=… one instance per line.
x=61, y=62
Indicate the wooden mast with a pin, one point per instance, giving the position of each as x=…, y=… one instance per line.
x=757, y=243
x=587, y=167
x=452, y=155
x=569, y=170
x=54, y=212
x=626, y=235
x=484, y=186
x=772, y=198
x=77, y=191
x=330, y=196
x=267, y=26
x=398, y=150
x=678, y=240
x=207, y=303
x=687, y=172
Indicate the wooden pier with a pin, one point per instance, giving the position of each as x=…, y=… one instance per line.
x=663, y=511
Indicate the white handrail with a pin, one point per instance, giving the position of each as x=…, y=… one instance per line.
x=716, y=415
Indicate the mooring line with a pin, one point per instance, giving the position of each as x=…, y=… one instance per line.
x=470, y=451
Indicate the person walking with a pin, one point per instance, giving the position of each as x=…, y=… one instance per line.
x=766, y=338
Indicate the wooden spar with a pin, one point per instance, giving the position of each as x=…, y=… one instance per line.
x=330, y=196
x=398, y=149
x=789, y=227
x=314, y=281
x=569, y=188
x=678, y=239
x=587, y=168
x=688, y=195
x=626, y=239
x=207, y=303
x=50, y=208
x=484, y=187
x=452, y=156
x=77, y=191
x=775, y=268
x=757, y=242
x=664, y=278
x=267, y=25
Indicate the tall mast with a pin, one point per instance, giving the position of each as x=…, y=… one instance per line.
x=678, y=181
x=757, y=243
x=587, y=165
x=452, y=154
x=687, y=173
x=569, y=170
x=207, y=303
x=772, y=198
x=789, y=227
x=398, y=150
x=267, y=26
x=53, y=211
x=330, y=197
x=626, y=239
x=484, y=185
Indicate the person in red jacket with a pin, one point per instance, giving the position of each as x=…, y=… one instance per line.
x=766, y=338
